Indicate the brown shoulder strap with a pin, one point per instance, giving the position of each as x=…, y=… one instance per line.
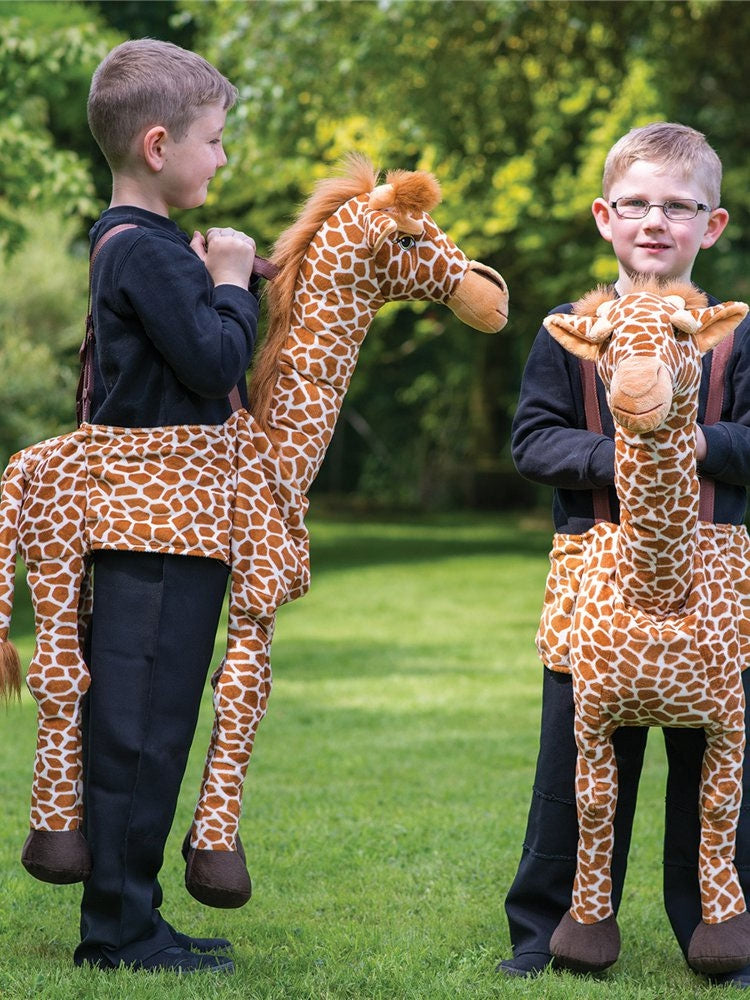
x=235, y=400
x=105, y=239
x=719, y=361
x=602, y=509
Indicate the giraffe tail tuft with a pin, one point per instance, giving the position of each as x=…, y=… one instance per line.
x=13, y=488
x=10, y=671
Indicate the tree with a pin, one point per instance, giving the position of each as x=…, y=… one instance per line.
x=513, y=105
x=47, y=54
x=42, y=311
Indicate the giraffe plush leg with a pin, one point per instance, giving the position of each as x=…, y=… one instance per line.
x=587, y=939
x=216, y=874
x=55, y=850
x=721, y=941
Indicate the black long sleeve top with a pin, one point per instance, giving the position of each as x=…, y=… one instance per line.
x=169, y=345
x=551, y=445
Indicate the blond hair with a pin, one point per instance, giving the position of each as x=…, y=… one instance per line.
x=672, y=146
x=147, y=82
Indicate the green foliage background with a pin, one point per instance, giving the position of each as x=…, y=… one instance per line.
x=512, y=104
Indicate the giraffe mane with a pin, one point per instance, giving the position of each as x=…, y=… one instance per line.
x=288, y=253
x=693, y=296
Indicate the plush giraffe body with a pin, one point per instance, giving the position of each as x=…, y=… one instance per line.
x=186, y=490
x=659, y=621
x=234, y=492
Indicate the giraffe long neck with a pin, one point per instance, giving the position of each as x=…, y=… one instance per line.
x=657, y=483
x=335, y=302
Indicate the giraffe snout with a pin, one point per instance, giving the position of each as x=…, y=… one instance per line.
x=481, y=299
x=640, y=394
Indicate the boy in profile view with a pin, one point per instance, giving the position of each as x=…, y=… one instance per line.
x=660, y=207
x=175, y=330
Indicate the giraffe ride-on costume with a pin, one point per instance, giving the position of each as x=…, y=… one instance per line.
x=234, y=492
x=652, y=616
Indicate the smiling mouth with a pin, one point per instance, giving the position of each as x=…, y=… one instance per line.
x=654, y=246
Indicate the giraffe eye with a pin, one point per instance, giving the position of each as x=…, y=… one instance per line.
x=406, y=242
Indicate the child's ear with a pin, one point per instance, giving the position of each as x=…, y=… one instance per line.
x=602, y=215
x=154, y=146
x=717, y=222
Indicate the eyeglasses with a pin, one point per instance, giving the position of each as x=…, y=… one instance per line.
x=678, y=211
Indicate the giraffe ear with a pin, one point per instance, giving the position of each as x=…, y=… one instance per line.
x=378, y=227
x=714, y=323
x=581, y=335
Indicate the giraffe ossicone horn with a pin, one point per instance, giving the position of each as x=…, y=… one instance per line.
x=675, y=300
x=684, y=320
x=381, y=197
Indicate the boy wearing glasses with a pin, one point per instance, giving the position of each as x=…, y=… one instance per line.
x=660, y=206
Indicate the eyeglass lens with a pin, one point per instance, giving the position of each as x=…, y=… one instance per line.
x=637, y=208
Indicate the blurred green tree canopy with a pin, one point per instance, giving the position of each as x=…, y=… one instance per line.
x=513, y=104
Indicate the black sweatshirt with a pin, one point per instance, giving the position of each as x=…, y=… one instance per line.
x=169, y=345
x=551, y=445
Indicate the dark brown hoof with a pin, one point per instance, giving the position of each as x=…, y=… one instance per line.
x=722, y=947
x=58, y=856
x=217, y=878
x=585, y=947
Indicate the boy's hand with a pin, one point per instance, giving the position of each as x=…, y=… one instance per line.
x=228, y=255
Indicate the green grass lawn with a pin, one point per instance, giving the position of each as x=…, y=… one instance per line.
x=387, y=797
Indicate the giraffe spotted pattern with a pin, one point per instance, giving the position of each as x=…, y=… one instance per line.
x=200, y=491
x=235, y=492
x=652, y=617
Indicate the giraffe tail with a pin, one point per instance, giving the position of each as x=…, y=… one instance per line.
x=10, y=671
x=11, y=503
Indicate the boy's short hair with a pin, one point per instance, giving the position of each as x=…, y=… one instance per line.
x=673, y=146
x=148, y=82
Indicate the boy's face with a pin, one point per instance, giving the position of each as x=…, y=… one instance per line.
x=191, y=162
x=656, y=245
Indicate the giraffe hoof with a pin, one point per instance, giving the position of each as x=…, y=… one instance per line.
x=585, y=947
x=217, y=878
x=58, y=856
x=722, y=947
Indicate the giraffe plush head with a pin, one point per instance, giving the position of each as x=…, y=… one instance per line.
x=416, y=260
x=647, y=344
x=356, y=245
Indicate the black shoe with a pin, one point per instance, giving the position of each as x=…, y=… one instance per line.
x=202, y=945
x=175, y=959
x=740, y=980
x=525, y=966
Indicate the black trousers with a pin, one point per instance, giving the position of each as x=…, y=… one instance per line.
x=149, y=650
x=542, y=889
